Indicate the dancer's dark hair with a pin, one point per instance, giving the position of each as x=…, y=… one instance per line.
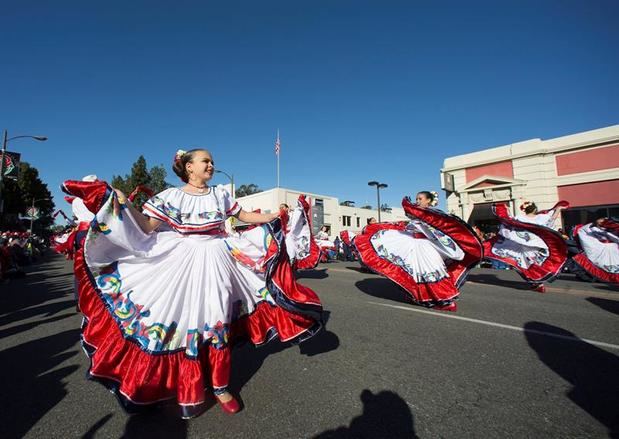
x=181, y=160
x=429, y=195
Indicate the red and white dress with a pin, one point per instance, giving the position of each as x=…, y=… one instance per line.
x=303, y=251
x=528, y=244
x=600, y=251
x=162, y=310
x=428, y=256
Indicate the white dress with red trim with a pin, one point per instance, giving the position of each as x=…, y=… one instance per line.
x=303, y=251
x=600, y=251
x=323, y=241
x=347, y=237
x=163, y=309
x=528, y=244
x=428, y=256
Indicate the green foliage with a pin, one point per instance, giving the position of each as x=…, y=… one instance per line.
x=18, y=196
x=141, y=175
x=246, y=189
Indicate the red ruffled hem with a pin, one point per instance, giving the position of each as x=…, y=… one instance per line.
x=595, y=271
x=422, y=293
x=145, y=378
x=557, y=248
x=139, y=377
x=443, y=291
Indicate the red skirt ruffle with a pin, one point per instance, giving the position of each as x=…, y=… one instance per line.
x=442, y=292
x=557, y=248
x=140, y=378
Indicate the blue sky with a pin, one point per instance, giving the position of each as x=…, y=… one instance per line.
x=360, y=90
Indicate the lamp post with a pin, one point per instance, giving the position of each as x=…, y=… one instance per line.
x=6, y=139
x=32, y=211
x=379, y=186
x=230, y=177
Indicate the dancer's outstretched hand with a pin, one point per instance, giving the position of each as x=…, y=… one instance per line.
x=122, y=198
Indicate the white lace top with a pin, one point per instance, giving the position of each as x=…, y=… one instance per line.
x=193, y=213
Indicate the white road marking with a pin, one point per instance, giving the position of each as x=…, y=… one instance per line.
x=498, y=325
x=549, y=287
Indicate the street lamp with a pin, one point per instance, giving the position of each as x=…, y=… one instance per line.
x=230, y=177
x=32, y=211
x=379, y=186
x=6, y=140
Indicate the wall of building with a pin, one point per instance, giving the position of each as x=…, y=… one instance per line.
x=581, y=168
x=269, y=201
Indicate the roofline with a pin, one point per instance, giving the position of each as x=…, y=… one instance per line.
x=609, y=135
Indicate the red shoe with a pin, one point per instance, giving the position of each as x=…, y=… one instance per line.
x=540, y=288
x=231, y=407
x=452, y=307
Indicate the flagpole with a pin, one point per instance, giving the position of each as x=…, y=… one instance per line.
x=278, y=153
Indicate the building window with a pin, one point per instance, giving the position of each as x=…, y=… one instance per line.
x=345, y=221
x=583, y=215
x=318, y=202
x=358, y=222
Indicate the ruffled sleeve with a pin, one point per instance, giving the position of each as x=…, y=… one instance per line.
x=155, y=207
x=228, y=203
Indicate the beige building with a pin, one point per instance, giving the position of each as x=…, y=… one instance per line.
x=326, y=210
x=582, y=169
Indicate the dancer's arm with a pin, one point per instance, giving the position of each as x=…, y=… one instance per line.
x=556, y=213
x=146, y=223
x=255, y=217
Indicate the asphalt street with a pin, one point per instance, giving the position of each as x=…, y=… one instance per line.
x=511, y=363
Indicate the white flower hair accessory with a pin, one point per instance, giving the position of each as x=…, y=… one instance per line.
x=179, y=154
x=524, y=205
x=434, y=201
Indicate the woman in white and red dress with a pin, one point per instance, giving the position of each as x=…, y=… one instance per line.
x=599, y=242
x=166, y=293
x=347, y=237
x=303, y=251
x=327, y=247
x=528, y=243
x=428, y=256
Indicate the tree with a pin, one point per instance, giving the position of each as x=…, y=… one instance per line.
x=18, y=197
x=141, y=175
x=347, y=203
x=244, y=190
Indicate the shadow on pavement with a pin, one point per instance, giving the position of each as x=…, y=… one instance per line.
x=608, y=305
x=27, y=326
x=591, y=371
x=385, y=415
x=313, y=274
x=35, y=289
x=158, y=423
x=360, y=269
x=30, y=388
x=613, y=288
x=382, y=288
x=321, y=343
x=90, y=434
x=48, y=310
x=492, y=279
x=247, y=359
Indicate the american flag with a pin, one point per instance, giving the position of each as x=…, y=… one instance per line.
x=277, y=144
